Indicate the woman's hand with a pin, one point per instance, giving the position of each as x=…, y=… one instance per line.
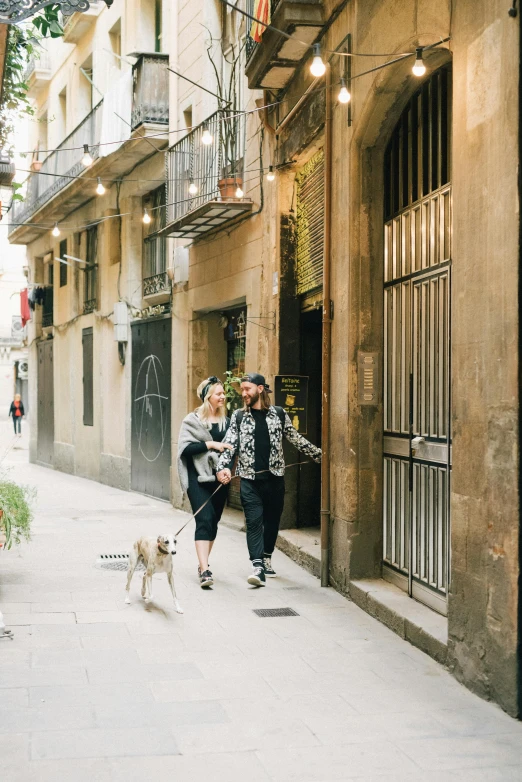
x=212, y=445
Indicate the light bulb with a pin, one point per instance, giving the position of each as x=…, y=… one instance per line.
x=193, y=188
x=87, y=157
x=239, y=192
x=419, y=69
x=317, y=68
x=206, y=138
x=344, y=96
x=271, y=175
x=56, y=230
x=146, y=217
x=100, y=189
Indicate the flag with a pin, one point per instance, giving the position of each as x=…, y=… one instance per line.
x=262, y=12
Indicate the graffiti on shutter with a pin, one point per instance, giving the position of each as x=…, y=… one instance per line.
x=310, y=225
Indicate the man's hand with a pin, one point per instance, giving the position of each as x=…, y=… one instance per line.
x=224, y=476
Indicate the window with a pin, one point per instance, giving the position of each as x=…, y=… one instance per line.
x=187, y=117
x=158, y=23
x=235, y=337
x=63, y=264
x=86, y=92
x=50, y=273
x=155, y=248
x=90, y=271
x=62, y=118
x=88, y=377
x=115, y=38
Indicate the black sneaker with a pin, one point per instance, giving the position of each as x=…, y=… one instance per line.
x=257, y=578
x=205, y=579
x=269, y=570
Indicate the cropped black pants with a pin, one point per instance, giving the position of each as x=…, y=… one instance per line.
x=263, y=502
x=207, y=520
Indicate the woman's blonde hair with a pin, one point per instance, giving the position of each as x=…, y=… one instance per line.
x=205, y=411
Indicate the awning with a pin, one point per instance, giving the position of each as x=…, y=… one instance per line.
x=207, y=218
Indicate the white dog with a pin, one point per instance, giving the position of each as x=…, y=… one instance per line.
x=156, y=555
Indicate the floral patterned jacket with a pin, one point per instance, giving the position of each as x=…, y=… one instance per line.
x=246, y=444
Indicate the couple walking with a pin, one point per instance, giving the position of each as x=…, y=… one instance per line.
x=208, y=444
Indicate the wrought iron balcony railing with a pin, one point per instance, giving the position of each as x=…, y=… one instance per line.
x=150, y=100
x=41, y=63
x=251, y=45
x=61, y=165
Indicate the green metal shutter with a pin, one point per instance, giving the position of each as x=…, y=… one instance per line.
x=310, y=225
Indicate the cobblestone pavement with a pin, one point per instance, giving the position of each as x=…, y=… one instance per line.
x=92, y=689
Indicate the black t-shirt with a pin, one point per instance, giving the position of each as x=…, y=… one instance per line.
x=262, y=445
x=217, y=434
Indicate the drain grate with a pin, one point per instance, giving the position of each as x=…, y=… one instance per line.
x=116, y=562
x=275, y=612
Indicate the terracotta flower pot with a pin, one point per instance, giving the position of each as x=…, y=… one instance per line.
x=229, y=185
x=36, y=165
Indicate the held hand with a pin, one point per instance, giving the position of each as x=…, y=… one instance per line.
x=224, y=476
x=215, y=446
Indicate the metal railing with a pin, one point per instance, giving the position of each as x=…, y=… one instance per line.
x=62, y=164
x=190, y=161
x=250, y=44
x=41, y=63
x=150, y=99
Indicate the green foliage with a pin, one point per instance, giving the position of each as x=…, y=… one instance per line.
x=22, y=44
x=16, y=504
x=232, y=394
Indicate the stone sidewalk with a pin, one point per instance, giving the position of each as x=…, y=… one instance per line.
x=92, y=689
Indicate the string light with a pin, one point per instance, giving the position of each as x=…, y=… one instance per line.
x=206, y=138
x=56, y=230
x=100, y=189
x=193, y=188
x=344, y=95
x=317, y=68
x=146, y=217
x=271, y=175
x=419, y=69
x=87, y=157
x=239, y=192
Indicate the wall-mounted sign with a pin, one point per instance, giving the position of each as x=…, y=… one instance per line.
x=153, y=311
x=291, y=393
x=368, y=378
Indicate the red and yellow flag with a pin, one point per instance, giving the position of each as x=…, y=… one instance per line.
x=261, y=12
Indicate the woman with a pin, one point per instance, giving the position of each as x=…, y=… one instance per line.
x=200, y=443
x=17, y=412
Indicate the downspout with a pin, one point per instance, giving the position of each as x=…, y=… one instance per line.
x=327, y=341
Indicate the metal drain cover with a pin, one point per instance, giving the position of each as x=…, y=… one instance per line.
x=116, y=562
x=275, y=612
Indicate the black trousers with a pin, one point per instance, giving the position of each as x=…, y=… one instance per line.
x=207, y=520
x=17, y=422
x=263, y=502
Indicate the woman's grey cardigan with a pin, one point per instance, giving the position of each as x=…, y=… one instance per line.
x=194, y=431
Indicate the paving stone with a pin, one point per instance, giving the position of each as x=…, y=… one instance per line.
x=102, y=743
x=90, y=694
x=174, y=672
x=173, y=715
x=33, y=719
x=18, y=676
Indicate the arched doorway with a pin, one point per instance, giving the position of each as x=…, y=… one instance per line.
x=417, y=328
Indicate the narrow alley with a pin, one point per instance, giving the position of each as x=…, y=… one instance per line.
x=93, y=689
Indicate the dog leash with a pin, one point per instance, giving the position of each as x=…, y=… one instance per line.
x=287, y=466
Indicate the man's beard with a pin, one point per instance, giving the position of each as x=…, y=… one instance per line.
x=252, y=399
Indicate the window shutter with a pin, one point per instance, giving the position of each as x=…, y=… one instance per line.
x=88, y=387
x=310, y=225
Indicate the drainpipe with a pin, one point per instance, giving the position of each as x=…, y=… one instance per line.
x=327, y=341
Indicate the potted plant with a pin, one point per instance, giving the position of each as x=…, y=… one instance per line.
x=16, y=514
x=232, y=394
x=228, y=90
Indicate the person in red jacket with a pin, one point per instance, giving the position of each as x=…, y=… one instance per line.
x=17, y=412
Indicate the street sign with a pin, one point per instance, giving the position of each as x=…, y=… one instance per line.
x=291, y=393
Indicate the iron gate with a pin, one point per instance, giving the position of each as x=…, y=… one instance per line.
x=151, y=379
x=417, y=268
x=45, y=434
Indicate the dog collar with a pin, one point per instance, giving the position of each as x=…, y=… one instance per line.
x=162, y=551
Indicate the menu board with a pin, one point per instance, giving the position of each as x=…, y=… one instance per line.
x=291, y=393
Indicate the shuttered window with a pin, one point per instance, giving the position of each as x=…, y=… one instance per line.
x=63, y=264
x=88, y=376
x=310, y=225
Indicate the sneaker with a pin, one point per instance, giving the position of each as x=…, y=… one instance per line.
x=267, y=565
x=205, y=579
x=257, y=578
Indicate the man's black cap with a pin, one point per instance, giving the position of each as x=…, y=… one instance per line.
x=258, y=380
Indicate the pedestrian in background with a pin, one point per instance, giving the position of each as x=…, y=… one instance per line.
x=17, y=412
x=256, y=434
x=199, y=445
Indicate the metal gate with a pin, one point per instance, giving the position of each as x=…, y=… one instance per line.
x=151, y=378
x=417, y=267
x=45, y=423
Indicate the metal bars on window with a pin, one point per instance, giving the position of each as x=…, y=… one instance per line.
x=155, y=247
x=310, y=225
x=90, y=289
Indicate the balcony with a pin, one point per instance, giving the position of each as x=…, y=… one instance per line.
x=59, y=187
x=78, y=24
x=215, y=170
x=38, y=73
x=272, y=63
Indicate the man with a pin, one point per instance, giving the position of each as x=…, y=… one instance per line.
x=256, y=435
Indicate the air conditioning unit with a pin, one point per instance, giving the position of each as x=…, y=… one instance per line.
x=23, y=370
x=179, y=271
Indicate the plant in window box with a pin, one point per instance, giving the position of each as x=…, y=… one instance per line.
x=16, y=513
x=229, y=130
x=231, y=386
